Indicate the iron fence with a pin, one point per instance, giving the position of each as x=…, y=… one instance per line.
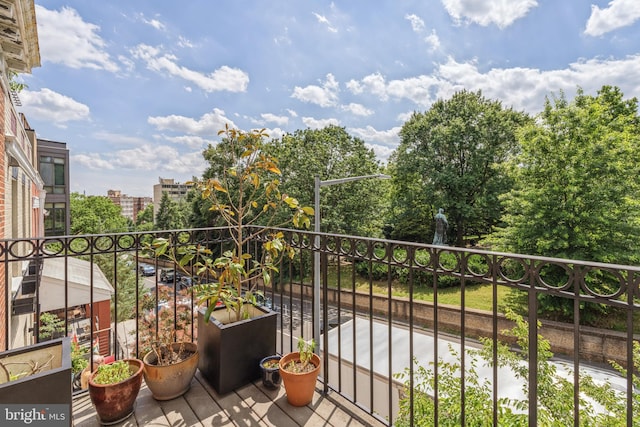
x=377, y=328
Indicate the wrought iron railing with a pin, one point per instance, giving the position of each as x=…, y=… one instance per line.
x=374, y=323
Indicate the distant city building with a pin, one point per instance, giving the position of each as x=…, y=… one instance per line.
x=53, y=158
x=130, y=206
x=176, y=191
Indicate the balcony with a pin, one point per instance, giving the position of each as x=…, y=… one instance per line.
x=373, y=342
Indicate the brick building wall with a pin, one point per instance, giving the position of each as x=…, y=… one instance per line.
x=3, y=180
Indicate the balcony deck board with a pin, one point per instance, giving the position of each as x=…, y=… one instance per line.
x=252, y=405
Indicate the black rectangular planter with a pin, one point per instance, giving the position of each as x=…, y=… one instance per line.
x=52, y=385
x=230, y=353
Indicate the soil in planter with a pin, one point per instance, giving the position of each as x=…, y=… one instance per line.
x=298, y=367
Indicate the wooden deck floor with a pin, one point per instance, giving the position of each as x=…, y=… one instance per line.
x=252, y=405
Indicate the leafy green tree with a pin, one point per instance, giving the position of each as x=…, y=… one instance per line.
x=577, y=195
x=50, y=325
x=451, y=157
x=98, y=215
x=357, y=208
x=95, y=215
x=144, y=219
x=171, y=214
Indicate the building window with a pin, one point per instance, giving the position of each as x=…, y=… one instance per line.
x=52, y=173
x=55, y=220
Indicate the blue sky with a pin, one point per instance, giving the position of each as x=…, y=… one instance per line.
x=137, y=89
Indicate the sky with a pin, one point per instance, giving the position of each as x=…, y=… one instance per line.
x=138, y=89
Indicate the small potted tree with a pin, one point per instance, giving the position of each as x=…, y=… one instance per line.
x=170, y=359
x=299, y=371
x=234, y=333
x=113, y=389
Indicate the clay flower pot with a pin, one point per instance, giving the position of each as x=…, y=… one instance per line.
x=299, y=385
x=115, y=402
x=270, y=368
x=170, y=381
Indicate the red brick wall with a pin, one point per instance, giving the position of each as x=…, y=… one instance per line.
x=3, y=178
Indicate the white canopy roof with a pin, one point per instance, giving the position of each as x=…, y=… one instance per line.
x=77, y=275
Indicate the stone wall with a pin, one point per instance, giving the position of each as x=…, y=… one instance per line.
x=596, y=345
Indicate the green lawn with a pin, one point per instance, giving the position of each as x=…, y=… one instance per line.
x=477, y=296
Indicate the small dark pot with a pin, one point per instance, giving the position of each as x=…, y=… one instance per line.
x=271, y=378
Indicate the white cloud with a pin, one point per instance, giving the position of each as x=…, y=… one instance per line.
x=521, y=88
x=373, y=83
x=92, y=161
x=433, y=41
x=64, y=38
x=417, y=24
x=323, y=20
x=357, y=109
x=324, y=96
x=53, y=107
x=618, y=14
x=312, y=123
x=486, y=12
x=224, y=78
x=146, y=157
x=190, y=141
x=272, y=118
x=208, y=125
x=292, y=113
x=389, y=137
x=153, y=23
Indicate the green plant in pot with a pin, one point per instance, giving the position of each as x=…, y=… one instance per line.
x=170, y=357
x=244, y=193
x=113, y=389
x=299, y=371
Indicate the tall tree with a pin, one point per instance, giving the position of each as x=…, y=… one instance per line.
x=144, y=219
x=577, y=194
x=95, y=215
x=357, y=207
x=98, y=215
x=171, y=214
x=450, y=157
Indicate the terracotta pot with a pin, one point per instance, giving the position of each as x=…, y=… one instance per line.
x=271, y=378
x=170, y=381
x=299, y=386
x=115, y=402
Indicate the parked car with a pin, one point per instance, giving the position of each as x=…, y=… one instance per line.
x=185, y=282
x=166, y=275
x=147, y=270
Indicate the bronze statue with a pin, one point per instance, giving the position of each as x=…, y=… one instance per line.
x=440, y=236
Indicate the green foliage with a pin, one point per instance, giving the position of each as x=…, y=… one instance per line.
x=573, y=196
x=79, y=359
x=305, y=348
x=555, y=392
x=243, y=191
x=171, y=214
x=144, y=219
x=50, y=324
x=356, y=208
x=113, y=373
x=15, y=85
x=451, y=157
x=95, y=215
